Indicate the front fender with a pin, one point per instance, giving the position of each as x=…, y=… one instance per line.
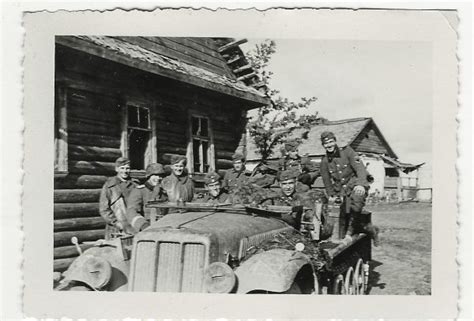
x=120, y=267
x=272, y=270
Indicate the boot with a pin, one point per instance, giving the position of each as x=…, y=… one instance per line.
x=373, y=232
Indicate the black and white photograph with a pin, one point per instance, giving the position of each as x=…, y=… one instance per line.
x=238, y=163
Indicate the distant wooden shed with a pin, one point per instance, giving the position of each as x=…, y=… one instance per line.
x=364, y=136
x=146, y=98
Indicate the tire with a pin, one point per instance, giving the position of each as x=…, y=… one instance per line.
x=349, y=282
x=359, y=278
x=338, y=287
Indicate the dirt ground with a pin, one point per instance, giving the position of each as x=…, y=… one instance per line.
x=402, y=262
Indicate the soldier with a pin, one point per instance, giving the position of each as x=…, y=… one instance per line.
x=178, y=186
x=292, y=160
x=288, y=196
x=112, y=204
x=345, y=176
x=237, y=175
x=214, y=193
x=138, y=215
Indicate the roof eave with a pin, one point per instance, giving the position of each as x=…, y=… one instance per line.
x=253, y=100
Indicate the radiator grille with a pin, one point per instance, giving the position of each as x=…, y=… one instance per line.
x=169, y=267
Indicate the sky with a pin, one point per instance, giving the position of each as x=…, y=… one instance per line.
x=390, y=81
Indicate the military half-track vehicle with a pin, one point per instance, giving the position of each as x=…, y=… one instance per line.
x=226, y=249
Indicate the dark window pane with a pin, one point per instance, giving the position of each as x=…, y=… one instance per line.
x=143, y=118
x=132, y=116
x=137, y=145
x=195, y=125
x=205, y=146
x=204, y=127
x=196, y=144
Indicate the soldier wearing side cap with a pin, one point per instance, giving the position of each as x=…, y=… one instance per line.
x=214, y=191
x=345, y=176
x=236, y=176
x=138, y=214
x=290, y=159
x=178, y=185
x=113, y=199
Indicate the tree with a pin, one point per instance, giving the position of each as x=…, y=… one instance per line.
x=274, y=123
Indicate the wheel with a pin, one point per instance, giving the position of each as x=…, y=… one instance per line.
x=338, y=285
x=359, y=278
x=349, y=284
x=366, y=269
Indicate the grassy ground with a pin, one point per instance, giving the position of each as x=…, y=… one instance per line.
x=402, y=262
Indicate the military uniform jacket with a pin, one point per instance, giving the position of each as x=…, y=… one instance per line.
x=113, y=198
x=137, y=213
x=303, y=164
x=234, y=179
x=178, y=188
x=222, y=198
x=342, y=171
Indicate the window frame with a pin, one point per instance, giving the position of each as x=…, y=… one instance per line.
x=210, y=149
x=151, y=154
x=60, y=132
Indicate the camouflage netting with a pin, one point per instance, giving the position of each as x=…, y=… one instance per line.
x=288, y=241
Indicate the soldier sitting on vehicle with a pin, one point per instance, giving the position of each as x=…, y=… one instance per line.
x=112, y=203
x=288, y=196
x=214, y=192
x=292, y=160
x=237, y=175
x=138, y=214
x=345, y=176
x=178, y=186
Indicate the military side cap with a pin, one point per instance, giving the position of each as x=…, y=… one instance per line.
x=291, y=145
x=121, y=161
x=211, y=178
x=154, y=169
x=178, y=158
x=237, y=157
x=327, y=135
x=289, y=174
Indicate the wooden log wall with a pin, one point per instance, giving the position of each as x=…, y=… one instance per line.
x=369, y=141
x=95, y=90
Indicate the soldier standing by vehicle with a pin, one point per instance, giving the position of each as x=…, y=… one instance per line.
x=112, y=203
x=214, y=192
x=237, y=175
x=345, y=176
x=292, y=160
x=178, y=186
x=138, y=215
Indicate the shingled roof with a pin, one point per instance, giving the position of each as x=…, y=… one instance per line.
x=349, y=132
x=127, y=51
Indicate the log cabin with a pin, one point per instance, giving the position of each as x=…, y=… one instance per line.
x=393, y=179
x=146, y=98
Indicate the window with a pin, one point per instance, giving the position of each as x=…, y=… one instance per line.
x=138, y=136
x=202, y=146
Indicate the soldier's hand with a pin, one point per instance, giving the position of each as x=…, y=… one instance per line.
x=119, y=225
x=359, y=190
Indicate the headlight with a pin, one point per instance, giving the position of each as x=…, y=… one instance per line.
x=219, y=278
x=95, y=272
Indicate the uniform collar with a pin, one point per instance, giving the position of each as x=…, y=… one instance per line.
x=149, y=186
x=117, y=181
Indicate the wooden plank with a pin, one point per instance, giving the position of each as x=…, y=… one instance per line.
x=88, y=139
x=76, y=195
x=223, y=163
x=243, y=68
x=77, y=125
x=107, y=116
x=69, y=251
x=199, y=46
x=75, y=210
x=79, y=223
x=79, y=181
x=61, y=141
x=231, y=45
x=92, y=167
x=247, y=76
x=77, y=152
x=61, y=265
x=64, y=238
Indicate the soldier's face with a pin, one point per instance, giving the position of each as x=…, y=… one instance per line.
x=154, y=180
x=329, y=145
x=214, y=188
x=123, y=171
x=238, y=165
x=293, y=153
x=178, y=168
x=288, y=186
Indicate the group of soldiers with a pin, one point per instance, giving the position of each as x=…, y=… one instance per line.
x=287, y=183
